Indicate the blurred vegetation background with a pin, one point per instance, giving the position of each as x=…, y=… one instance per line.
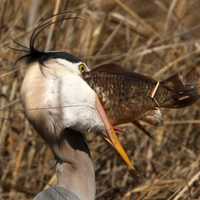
x=158, y=38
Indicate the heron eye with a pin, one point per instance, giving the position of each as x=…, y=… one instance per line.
x=82, y=68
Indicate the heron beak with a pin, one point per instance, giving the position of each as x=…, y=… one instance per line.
x=112, y=137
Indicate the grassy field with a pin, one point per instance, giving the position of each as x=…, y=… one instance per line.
x=158, y=38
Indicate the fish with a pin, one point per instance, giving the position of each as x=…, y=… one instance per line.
x=130, y=96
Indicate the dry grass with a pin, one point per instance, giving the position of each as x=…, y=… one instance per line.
x=158, y=38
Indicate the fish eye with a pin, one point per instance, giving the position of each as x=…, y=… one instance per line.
x=82, y=68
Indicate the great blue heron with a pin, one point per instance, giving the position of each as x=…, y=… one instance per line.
x=55, y=98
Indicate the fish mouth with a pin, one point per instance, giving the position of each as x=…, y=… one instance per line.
x=111, y=136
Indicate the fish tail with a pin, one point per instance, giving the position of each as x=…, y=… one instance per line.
x=181, y=94
x=185, y=97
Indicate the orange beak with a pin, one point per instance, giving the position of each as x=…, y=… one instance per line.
x=111, y=136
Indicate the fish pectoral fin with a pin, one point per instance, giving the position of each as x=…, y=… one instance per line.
x=153, y=117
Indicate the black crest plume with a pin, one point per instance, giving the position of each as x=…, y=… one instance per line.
x=31, y=53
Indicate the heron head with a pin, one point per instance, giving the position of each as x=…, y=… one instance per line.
x=66, y=65
x=73, y=68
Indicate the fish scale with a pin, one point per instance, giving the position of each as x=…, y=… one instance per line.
x=124, y=100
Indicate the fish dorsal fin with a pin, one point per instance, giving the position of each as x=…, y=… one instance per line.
x=174, y=82
x=117, y=69
x=110, y=67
